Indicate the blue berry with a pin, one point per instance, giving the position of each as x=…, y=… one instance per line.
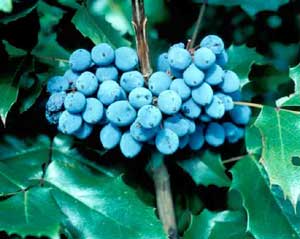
x=214, y=43
x=192, y=126
x=183, y=141
x=56, y=101
x=93, y=111
x=166, y=141
x=139, y=97
x=107, y=73
x=163, y=63
x=197, y=138
x=203, y=94
x=121, y=113
x=205, y=118
x=227, y=101
x=214, y=75
x=129, y=146
x=131, y=80
x=240, y=114
x=179, y=86
x=204, y=58
x=84, y=131
x=178, y=45
x=68, y=123
x=87, y=83
x=109, y=92
x=71, y=77
x=222, y=58
x=80, y=60
x=190, y=109
x=236, y=96
x=75, y=102
x=110, y=136
x=216, y=108
x=52, y=117
x=149, y=116
x=159, y=82
x=57, y=84
x=193, y=76
x=169, y=102
x=231, y=82
x=179, y=58
x=232, y=132
x=126, y=58
x=141, y=134
x=215, y=134
x=103, y=54
x=178, y=124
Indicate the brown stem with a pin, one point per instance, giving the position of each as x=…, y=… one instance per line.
x=198, y=24
x=139, y=22
x=163, y=192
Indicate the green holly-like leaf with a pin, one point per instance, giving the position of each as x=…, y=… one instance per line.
x=280, y=133
x=206, y=169
x=253, y=140
x=242, y=68
x=218, y=225
x=293, y=99
x=96, y=28
x=267, y=217
x=13, y=51
x=6, y=5
x=32, y=212
x=250, y=6
x=21, y=162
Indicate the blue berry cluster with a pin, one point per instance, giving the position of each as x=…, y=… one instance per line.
x=188, y=101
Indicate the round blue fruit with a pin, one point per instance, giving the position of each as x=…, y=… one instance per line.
x=190, y=109
x=103, y=54
x=166, y=141
x=216, y=108
x=149, y=116
x=129, y=146
x=84, y=131
x=57, y=84
x=227, y=101
x=169, y=102
x=240, y=114
x=75, y=102
x=214, y=75
x=214, y=43
x=121, y=113
x=71, y=77
x=179, y=86
x=179, y=58
x=139, y=97
x=215, y=134
x=193, y=76
x=107, y=73
x=184, y=141
x=159, y=82
x=203, y=94
x=163, y=63
x=87, y=83
x=231, y=82
x=205, y=118
x=197, y=138
x=93, y=111
x=68, y=123
x=222, y=58
x=52, y=117
x=110, y=136
x=178, y=124
x=109, y=92
x=141, y=134
x=204, y=58
x=126, y=58
x=131, y=80
x=80, y=60
x=56, y=101
x=232, y=133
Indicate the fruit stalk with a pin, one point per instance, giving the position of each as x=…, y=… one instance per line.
x=139, y=22
x=164, y=200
